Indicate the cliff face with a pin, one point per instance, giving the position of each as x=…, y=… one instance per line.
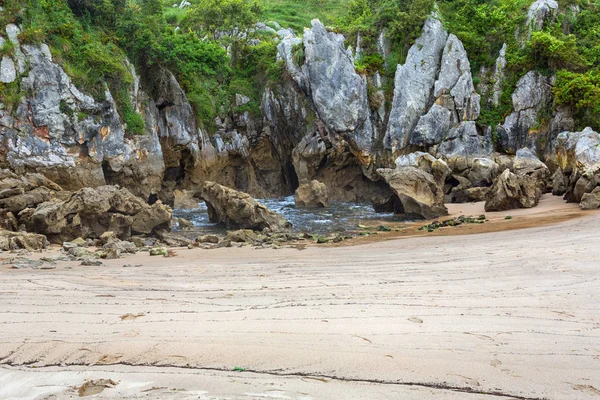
x=323, y=121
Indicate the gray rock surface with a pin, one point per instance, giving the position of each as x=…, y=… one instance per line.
x=337, y=91
x=454, y=87
x=540, y=12
x=498, y=77
x=532, y=96
x=8, y=72
x=591, y=201
x=432, y=127
x=578, y=158
x=413, y=84
x=463, y=144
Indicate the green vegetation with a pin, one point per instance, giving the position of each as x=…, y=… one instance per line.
x=213, y=50
x=297, y=14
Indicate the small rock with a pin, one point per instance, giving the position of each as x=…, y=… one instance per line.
x=67, y=246
x=80, y=242
x=108, y=237
x=159, y=251
x=138, y=241
x=184, y=223
x=224, y=243
x=110, y=254
x=240, y=236
x=121, y=245
x=78, y=252
x=90, y=262
x=22, y=263
x=132, y=265
x=208, y=239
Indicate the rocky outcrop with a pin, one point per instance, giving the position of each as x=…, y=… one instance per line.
x=454, y=87
x=468, y=153
x=90, y=212
x=337, y=91
x=237, y=210
x=498, y=77
x=577, y=155
x=313, y=194
x=22, y=240
x=511, y=191
x=418, y=195
x=591, y=201
x=531, y=98
x=70, y=137
x=413, y=84
x=526, y=163
x=185, y=200
x=539, y=13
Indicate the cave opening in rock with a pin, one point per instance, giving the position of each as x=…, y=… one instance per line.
x=177, y=174
x=290, y=177
x=111, y=177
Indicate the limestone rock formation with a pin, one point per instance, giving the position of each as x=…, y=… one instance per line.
x=462, y=145
x=185, y=200
x=418, y=194
x=454, y=87
x=70, y=137
x=498, y=77
x=526, y=163
x=532, y=96
x=22, y=240
x=313, y=194
x=413, y=84
x=540, y=12
x=91, y=212
x=237, y=210
x=591, y=201
x=511, y=191
x=578, y=159
x=337, y=91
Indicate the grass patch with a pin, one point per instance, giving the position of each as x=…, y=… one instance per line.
x=298, y=14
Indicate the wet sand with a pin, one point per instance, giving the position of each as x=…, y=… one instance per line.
x=502, y=314
x=551, y=210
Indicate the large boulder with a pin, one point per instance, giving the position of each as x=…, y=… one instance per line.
x=526, y=163
x=591, y=201
x=511, y=191
x=237, y=210
x=313, y=194
x=425, y=162
x=577, y=155
x=22, y=240
x=418, y=194
x=90, y=212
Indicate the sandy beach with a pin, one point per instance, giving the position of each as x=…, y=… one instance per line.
x=509, y=311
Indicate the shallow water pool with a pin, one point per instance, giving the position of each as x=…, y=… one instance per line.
x=337, y=217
